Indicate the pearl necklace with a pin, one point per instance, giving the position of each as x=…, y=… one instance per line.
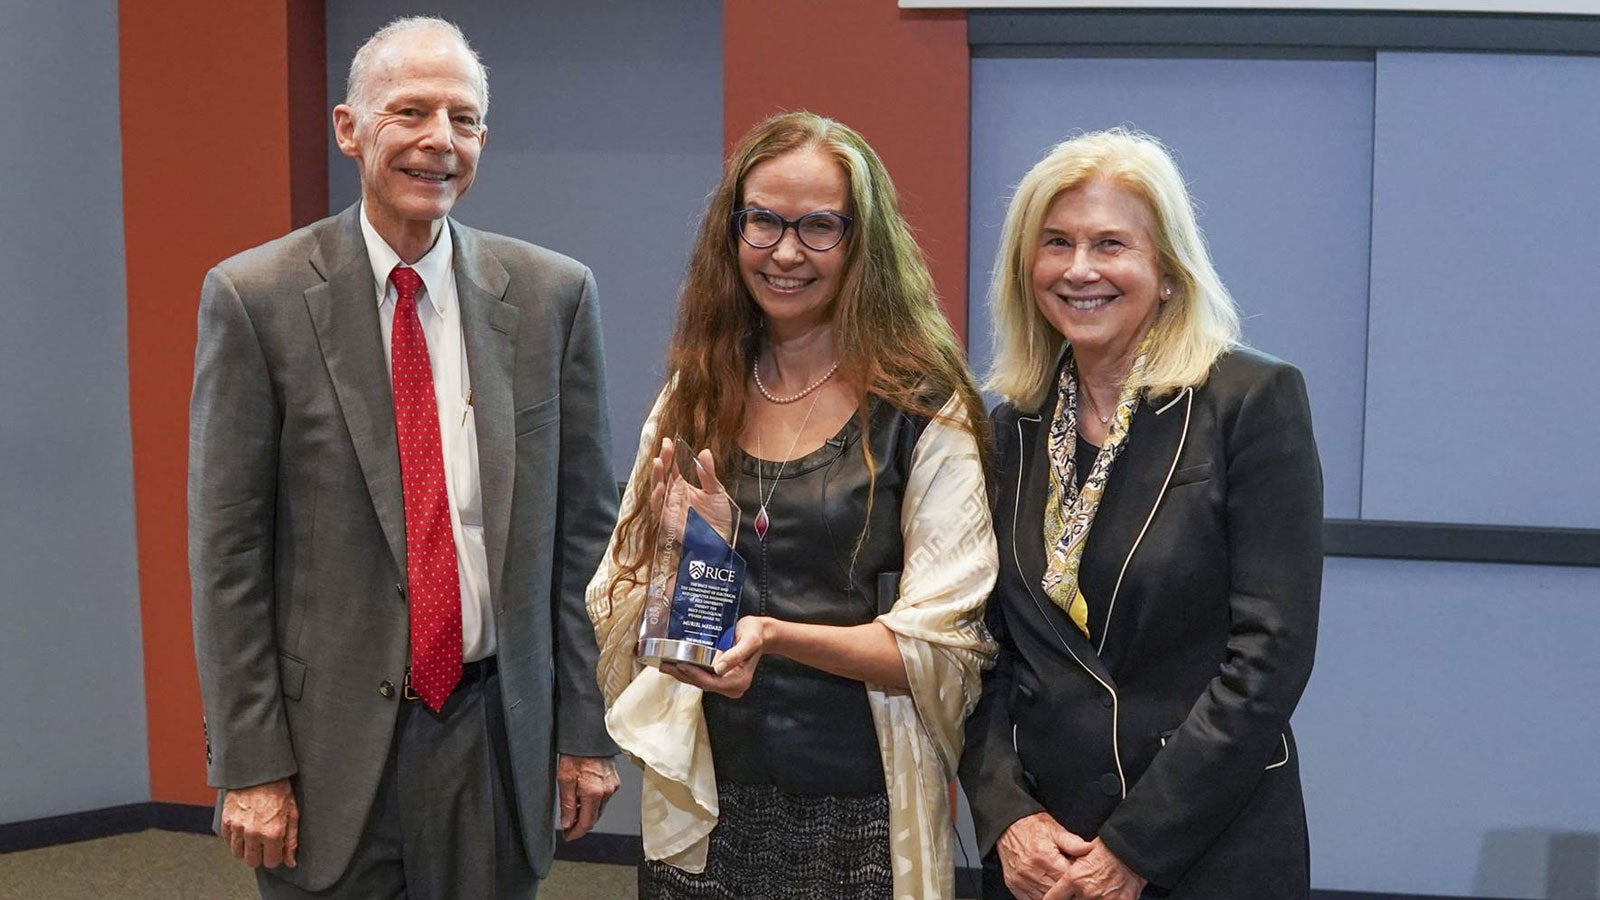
x=755, y=370
x=762, y=519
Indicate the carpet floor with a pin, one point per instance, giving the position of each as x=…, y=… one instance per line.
x=164, y=865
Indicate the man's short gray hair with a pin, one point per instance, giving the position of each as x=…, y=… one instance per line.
x=357, y=85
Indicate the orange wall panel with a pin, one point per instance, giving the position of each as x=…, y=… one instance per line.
x=900, y=77
x=206, y=153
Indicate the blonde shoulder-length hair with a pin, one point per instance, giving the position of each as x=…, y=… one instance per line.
x=1193, y=327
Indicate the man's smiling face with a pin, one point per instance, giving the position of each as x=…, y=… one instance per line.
x=418, y=134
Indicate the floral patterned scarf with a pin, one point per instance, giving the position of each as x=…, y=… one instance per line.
x=1069, y=511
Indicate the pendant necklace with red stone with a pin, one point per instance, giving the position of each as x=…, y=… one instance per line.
x=764, y=495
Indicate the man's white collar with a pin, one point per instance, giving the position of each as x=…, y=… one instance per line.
x=434, y=266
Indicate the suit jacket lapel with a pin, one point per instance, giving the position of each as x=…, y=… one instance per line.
x=1138, y=480
x=1135, y=489
x=344, y=312
x=1028, y=539
x=489, y=325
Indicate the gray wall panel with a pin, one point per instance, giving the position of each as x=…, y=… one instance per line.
x=1484, y=291
x=1448, y=731
x=1278, y=153
x=605, y=135
x=71, y=658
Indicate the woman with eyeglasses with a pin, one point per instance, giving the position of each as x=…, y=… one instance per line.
x=811, y=369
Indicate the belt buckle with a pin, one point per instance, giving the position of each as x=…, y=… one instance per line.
x=406, y=693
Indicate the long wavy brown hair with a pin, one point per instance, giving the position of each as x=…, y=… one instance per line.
x=891, y=339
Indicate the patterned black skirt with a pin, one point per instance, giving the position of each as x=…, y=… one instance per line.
x=769, y=845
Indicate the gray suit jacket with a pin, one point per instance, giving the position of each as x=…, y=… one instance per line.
x=296, y=526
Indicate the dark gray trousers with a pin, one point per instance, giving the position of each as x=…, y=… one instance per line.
x=443, y=825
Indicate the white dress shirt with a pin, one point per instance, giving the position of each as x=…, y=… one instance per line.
x=439, y=311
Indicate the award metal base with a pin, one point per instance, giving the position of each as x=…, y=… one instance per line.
x=659, y=650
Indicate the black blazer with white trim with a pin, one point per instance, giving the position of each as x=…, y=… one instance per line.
x=1167, y=734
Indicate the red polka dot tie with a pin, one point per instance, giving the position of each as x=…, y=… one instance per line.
x=435, y=586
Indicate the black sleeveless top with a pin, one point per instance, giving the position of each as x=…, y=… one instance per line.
x=799, y=728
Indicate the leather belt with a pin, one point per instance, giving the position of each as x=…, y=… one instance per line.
x=471, y=673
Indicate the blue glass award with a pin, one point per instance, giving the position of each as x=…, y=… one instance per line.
x=696, y=577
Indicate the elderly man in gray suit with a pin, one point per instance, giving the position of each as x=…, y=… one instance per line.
x=399, y=485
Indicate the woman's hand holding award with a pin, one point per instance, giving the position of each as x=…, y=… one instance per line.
x=696, y=577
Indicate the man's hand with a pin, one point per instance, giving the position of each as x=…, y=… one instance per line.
x=1035, y=853
x=261, y=824
x=1098, y=875
x=584, y=783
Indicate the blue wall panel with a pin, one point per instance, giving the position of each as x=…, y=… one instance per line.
x=1485, y=291
x=1449, y=726
x=1279, y=155
x=1446, y=734
x=605, y=136
x=71, y=661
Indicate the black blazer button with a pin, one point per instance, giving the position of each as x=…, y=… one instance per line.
x=386, y=688
x=1106, y=701
x=1110, y=785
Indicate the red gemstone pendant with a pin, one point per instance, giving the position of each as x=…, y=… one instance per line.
x=761, y=522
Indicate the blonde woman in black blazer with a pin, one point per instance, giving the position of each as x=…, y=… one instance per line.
x=1158, y=510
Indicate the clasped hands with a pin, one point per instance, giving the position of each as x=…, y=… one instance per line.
x=671, y=496
x=1042, y=860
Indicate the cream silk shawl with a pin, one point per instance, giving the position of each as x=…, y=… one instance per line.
x=950, y=568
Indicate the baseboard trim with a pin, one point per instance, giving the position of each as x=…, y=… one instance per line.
x=184, y=817
x=613, y=849
x=595, y=847
x=101, y=823
x=1368, y=895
